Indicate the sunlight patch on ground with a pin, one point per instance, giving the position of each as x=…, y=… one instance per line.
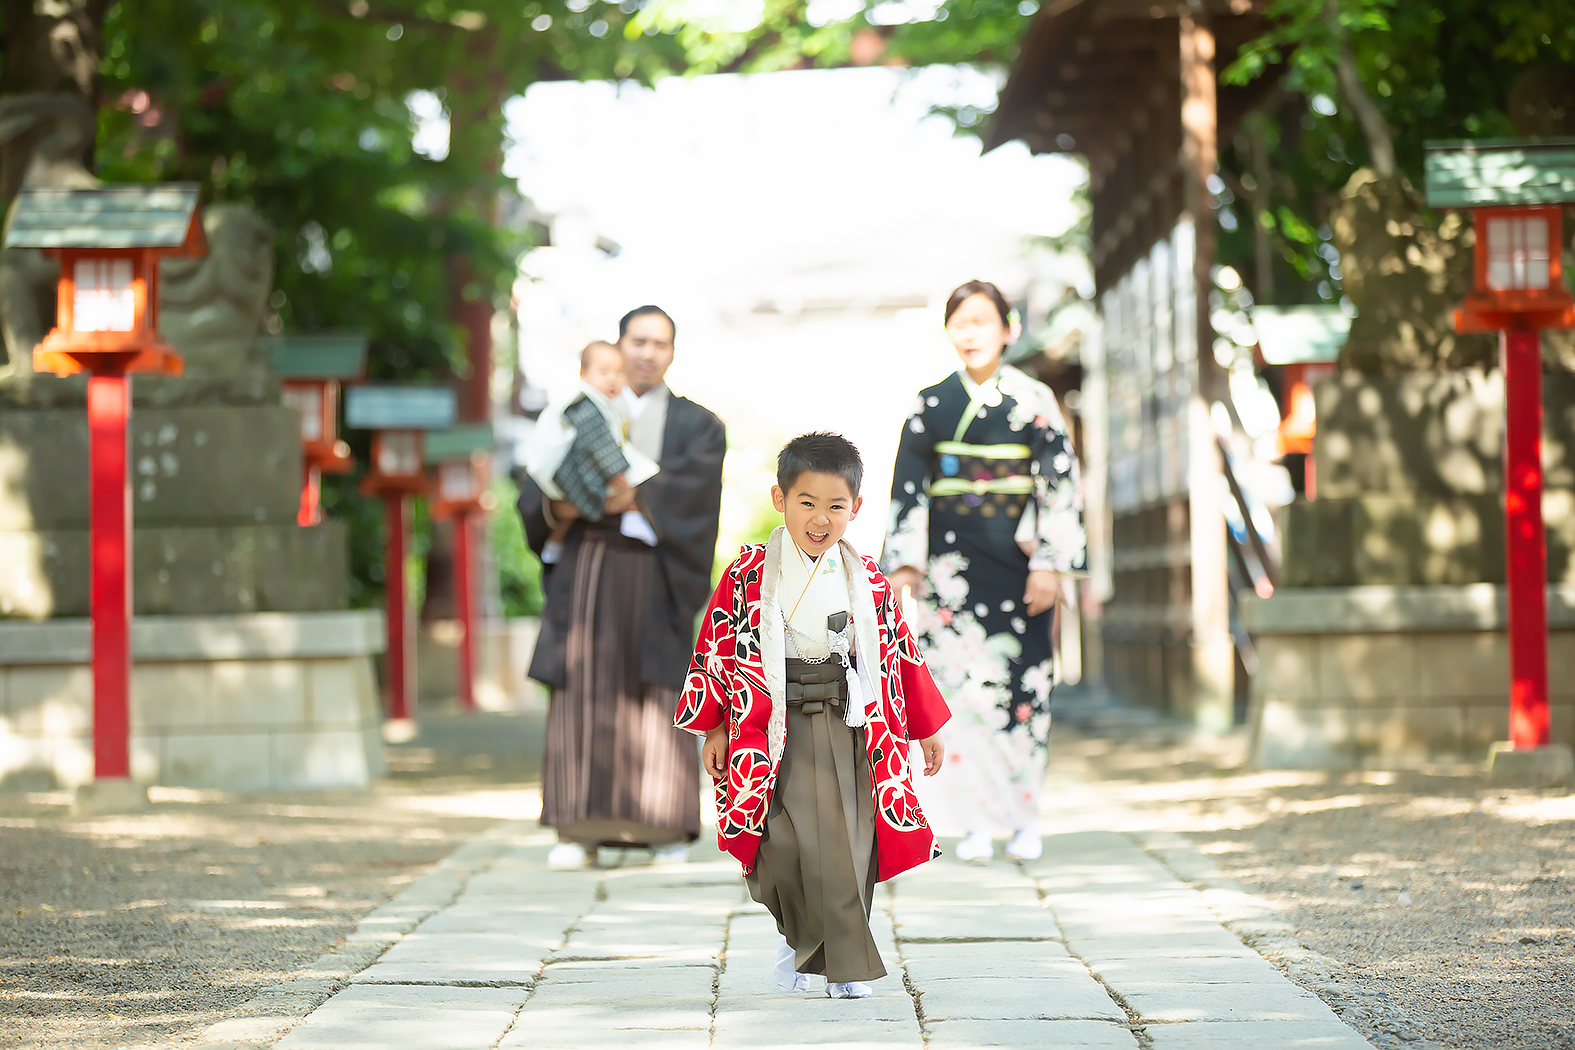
x=522, y=803
x=1319, y=805
x=1533, y=810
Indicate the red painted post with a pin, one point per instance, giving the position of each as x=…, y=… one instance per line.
x=109, y=495
x=465, y=599
x=311, y=493
x=396, y=603
x=1525, y=539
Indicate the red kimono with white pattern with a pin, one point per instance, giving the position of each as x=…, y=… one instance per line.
x=737, y=676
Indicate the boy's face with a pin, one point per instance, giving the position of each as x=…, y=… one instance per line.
x=817, y=510
x=604, y=371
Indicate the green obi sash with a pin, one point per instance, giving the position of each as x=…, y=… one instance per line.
x=989, y=480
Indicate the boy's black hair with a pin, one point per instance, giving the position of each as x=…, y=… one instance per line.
x=823, y=453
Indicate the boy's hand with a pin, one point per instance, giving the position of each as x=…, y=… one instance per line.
x=713, y=754
x=934, y=751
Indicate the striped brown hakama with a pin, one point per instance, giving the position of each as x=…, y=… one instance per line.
x=616, y=771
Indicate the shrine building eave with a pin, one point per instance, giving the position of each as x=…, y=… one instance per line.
x=1103, y=79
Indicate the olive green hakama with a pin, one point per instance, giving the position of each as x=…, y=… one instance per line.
x=816, y=869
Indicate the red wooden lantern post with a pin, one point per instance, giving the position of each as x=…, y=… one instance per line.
x=463, y=468
x=399, y=417
x=109, y=242
x=1516, y=190
x=312, y=367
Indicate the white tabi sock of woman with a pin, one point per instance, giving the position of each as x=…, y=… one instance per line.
x=975, y=846
x=1026, y=845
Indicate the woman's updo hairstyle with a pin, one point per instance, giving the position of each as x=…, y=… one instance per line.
x=984, y=288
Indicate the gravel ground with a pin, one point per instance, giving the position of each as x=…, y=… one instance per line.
x=1446, y=901
x=142, y=930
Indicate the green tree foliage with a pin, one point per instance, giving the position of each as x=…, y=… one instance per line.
x=1443, y=69
x=299, y=109
x=519, y=573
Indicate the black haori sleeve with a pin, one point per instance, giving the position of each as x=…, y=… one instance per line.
x=682, y=503
x=532, y=507
x=547, y=662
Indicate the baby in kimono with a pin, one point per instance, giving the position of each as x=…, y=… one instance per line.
x=579, y=452
x=808, y=686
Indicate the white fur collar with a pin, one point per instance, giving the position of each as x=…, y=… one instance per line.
x=773, y=645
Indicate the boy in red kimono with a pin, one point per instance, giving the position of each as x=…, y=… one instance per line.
x=807, y=685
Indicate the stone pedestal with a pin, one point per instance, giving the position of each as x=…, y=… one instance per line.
x=251, y=703
x=1386, y=677
x=1538, y=766
x=1385, y=643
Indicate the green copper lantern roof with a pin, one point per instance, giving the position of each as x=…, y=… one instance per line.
x=459, y=442
x=1295, y=335
x=1485, y=173
x=106, y=217
x=393, y=407
x=320, y=355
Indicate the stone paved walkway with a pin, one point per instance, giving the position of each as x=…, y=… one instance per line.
x=1098, y=945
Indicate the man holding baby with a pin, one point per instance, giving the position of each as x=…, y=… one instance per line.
x=621, y=597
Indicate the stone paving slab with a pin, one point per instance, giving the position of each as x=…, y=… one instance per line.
x=1230, y=969
x=1223, y=1002
x=408, y=1018
x=456, y=958
x=1029, y=1035
x=1256, y=1035
x=789, y=1029
x=585, y=1035
x=930, y=962
x=1073, y=995
x=690, y=979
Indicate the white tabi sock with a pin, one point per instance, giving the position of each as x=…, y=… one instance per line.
x=783, y=970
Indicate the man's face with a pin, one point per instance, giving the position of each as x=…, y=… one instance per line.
x=647, y=348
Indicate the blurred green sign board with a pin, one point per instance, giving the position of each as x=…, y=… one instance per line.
x=106, y=217
x=1299, y=335
x=389, y=407
x=1500, y=173
x=445, y=446
x=322, y=355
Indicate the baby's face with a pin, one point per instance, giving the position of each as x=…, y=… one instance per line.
x=604, y=371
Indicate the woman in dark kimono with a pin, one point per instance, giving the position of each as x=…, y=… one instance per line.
x=986, y=517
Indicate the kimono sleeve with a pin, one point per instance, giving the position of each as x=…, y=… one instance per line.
x=704, y=703
x=908, y=532
x=926, y=708
x=682, y=502
x=1059, y=542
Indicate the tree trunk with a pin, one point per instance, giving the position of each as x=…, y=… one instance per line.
x=1380, y=144
x=1262, y=243
x=475, y=110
